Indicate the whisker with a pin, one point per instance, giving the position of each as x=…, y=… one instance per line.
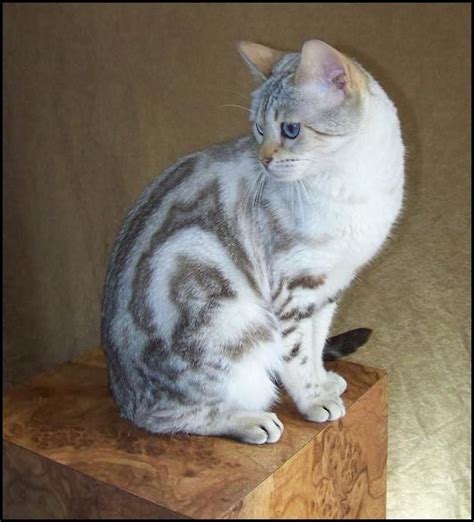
x=249, y=200
x=247, y=197
x=311, y=198
x=300, y=203
x=234, y=105
x=307, y=188
x=256, y=198
x=298, y=190
x=292, y=161
x=304, y=191
x=292, y=199
x=262, y=188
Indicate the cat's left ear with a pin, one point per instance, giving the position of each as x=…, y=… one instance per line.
x=327, y=72
x=259, y=58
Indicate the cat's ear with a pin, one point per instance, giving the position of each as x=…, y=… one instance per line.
x=326, y=70
x=259, y=58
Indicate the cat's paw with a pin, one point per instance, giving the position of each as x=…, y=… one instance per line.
x=258, y=428
x=334, y=384
x=325, y=408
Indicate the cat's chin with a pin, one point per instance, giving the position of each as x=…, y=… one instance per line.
x=285, y=177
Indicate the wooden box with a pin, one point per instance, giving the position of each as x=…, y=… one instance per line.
x=68, y=454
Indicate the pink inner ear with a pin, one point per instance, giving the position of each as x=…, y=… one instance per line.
x=321, y=63
x=336, y=75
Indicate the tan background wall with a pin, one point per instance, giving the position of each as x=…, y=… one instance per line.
x=100, y=98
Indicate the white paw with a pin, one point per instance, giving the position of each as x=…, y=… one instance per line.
x=325, y=408
x=334, y=384
x=258, y=428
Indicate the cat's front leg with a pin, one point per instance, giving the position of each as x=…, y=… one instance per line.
x=331, y=385
x=315, y=391
x=320, y=325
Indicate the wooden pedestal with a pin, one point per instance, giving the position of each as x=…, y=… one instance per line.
x=68, y=454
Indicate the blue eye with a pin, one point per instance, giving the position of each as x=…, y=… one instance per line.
x=290, y=130
x=259, y=129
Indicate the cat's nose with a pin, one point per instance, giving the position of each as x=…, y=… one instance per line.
x=266, y=161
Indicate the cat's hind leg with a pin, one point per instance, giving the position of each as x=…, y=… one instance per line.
x=247, y=426
x=217, y=398
x=252, y=427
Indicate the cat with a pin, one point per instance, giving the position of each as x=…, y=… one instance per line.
x=226, y=274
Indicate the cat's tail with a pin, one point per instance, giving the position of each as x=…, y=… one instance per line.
x=345, y=343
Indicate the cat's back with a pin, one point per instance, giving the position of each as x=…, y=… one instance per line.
x=183, y=182
x=199, y=188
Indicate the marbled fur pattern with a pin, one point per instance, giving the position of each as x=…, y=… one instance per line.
x=224, y=278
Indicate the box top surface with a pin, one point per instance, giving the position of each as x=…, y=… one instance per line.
x=68, y=415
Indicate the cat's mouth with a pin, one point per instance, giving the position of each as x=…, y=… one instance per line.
x=286, y=170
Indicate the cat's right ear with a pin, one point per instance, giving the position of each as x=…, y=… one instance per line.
x=259, y=58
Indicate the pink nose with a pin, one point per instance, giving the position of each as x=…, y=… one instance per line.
x=266, y=161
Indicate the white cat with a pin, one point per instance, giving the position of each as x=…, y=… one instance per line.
x=225, y=276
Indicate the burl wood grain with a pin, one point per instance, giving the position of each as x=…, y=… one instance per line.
x=38, y=488
x=68, y=427
x=341, y=473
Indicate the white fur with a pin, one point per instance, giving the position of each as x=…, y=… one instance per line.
x=342, y=196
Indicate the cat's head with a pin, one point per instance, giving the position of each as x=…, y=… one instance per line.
x=308, y=105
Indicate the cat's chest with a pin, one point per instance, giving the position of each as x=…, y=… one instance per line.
x=350, y=232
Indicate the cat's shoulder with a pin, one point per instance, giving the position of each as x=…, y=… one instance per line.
x=230, y=150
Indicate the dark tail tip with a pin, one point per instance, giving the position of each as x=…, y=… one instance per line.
x=345, y=343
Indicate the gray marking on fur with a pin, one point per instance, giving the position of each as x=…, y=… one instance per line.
x=278, y=290
x=284, y=305
x=306, y=281
x=205, y=212
x=297, y=314
x=289, y=330
x=135, y=223
x=294, y=352
x=254, y=335
x=175, y=383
